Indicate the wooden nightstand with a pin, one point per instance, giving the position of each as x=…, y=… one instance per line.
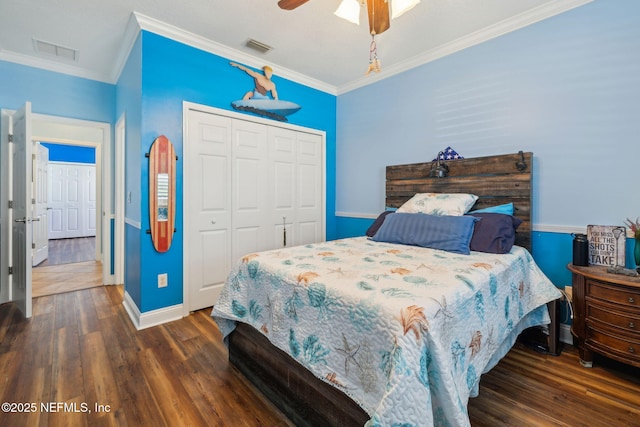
x=606, y=315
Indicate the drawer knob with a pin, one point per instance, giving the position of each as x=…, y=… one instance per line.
x=631, y=300
x=632, y=325
x=632, y=350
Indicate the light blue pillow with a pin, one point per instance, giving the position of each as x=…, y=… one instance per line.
x=445, y=232
x=506, y=209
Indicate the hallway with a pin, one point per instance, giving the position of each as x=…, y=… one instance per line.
x=71, y=266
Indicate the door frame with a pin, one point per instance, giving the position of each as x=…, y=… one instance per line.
x=68, y=131
x=119, y=200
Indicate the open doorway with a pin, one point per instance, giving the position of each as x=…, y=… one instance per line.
x=80, y=245
x=65, y=256
x=17, y=215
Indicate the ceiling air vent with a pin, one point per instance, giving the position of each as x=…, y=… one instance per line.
x=55, y=50
x=258, y=46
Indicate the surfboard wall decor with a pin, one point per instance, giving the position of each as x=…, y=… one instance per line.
x=272, y=108
x=162, y=193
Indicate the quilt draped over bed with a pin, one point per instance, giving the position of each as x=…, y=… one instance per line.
x=404, y=331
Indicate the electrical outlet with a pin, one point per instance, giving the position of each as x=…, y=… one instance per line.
x=163, y=280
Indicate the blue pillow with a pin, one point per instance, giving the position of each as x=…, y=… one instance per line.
x=371, y=231
x=506, y=209
x=445, y=232
x=494, y=233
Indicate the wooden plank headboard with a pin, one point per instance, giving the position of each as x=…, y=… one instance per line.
x=494, y=179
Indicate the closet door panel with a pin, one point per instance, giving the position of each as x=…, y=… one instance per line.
x=309, y=191
x=282, y=186
x=214, y=266
x=249, y=188
x=72, y=200
x=208, y=198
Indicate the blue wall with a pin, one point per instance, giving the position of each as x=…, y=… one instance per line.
x=129, y=105
x=55, y=94
x=171, y=73
x=566, y=88
x=70, y=153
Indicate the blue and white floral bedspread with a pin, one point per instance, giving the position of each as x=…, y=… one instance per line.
x=405, y=331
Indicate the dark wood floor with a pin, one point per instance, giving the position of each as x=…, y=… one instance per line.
x=71, y=266
x=66, y=251
x=55, y=279
x=80, y=348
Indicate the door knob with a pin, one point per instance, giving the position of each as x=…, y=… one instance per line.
x=22, y=220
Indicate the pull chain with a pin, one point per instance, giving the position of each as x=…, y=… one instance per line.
x=374, y=62
x=284, y=231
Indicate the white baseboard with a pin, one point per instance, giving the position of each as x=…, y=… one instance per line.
x=153, y=317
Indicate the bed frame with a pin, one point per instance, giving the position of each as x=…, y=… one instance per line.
x=306, y=400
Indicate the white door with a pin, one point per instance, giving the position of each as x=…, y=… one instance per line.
x=22, y=221
x=309, y=196
x=242, y=188
x=72, y=199
x=40, y=191
x=249, y=184
x=207, y=197
x=282, y=186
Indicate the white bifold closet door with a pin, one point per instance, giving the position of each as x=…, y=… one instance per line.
x=249, y=187
x=72, y=200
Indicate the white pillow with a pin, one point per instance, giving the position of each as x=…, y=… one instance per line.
x=455, y=204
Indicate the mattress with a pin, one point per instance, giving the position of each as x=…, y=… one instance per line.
x=404, y=331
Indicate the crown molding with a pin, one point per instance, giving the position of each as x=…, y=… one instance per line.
x=128, y=40
x=514, y=23
x=57, y=67
x=138, y=22
x=174, y=33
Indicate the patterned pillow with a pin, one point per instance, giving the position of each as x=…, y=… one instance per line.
x=445, y=232
x=455, y=204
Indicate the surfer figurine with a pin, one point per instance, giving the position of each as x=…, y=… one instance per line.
x=263, y=83
x=263, y=99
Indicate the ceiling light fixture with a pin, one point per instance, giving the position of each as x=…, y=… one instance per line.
x=350, y=9
x=378, y=14
x=399, y=7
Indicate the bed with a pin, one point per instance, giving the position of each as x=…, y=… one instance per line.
x=368, y=331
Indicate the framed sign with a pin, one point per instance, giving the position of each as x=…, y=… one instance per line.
x=607, y=245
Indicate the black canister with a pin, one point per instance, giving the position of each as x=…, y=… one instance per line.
x=580, y=250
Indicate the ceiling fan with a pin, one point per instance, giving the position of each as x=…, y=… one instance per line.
x=377, y=10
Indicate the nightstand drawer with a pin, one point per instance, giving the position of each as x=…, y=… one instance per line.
x=624, y=348
x=627, y=322
x=614, y=294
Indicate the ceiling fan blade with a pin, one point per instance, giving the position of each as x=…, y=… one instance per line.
x=291, y=4
x=378, y=11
